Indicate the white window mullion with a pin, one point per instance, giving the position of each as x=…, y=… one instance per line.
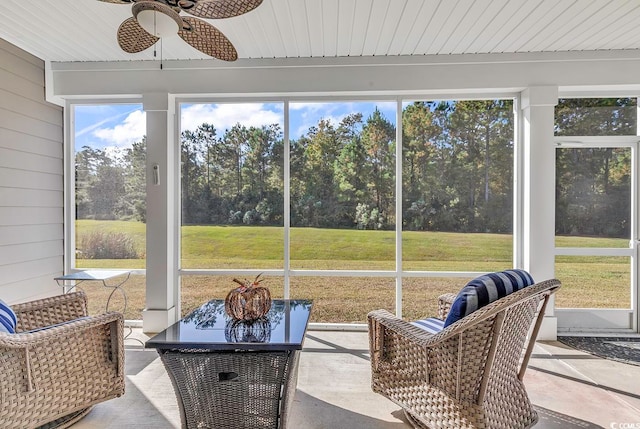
x=518, y=163
x=635, y=270
x=69, y=188
x=287, y=202
x=399, y=208
x=633, y=243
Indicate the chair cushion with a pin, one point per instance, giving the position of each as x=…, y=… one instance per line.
x=484, y=290
x=8, y=319
x=430, y=324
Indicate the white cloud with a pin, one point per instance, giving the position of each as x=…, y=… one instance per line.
x=309, y=114
x=387, y=106
x=104, y=110
x=131, y=130
x=313, y=107
x=225, y=116
x=309, y=120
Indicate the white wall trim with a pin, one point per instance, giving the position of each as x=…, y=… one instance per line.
x=593, y=319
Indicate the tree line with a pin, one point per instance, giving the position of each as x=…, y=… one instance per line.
x=457, y=172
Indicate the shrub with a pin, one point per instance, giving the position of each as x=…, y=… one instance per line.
x=106, y=245
x=235, y=217
x=249, y=217
x=368, y=218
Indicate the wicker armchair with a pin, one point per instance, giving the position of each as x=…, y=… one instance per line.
x=469, y=375
x=59, y=363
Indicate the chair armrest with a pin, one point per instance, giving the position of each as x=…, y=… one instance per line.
x=49, y=335
x=444, y=304
x=381, y=324
x=76, y=347
x=399, y=326
x=45, y=312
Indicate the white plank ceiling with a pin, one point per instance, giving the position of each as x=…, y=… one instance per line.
x=85, y=30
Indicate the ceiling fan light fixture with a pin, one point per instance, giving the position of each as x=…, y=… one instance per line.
x=154, y=20
x=158, y=24
x=157, y=19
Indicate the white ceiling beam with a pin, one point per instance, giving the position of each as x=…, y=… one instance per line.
x=390, y=76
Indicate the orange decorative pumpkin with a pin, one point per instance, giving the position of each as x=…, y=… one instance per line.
x=250, y=301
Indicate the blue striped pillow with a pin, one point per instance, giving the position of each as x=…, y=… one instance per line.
x=431, y=325
x=486, y=289
x=8, y=320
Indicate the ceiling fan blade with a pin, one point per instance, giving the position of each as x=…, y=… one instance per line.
x=132, y=38
x=217, y=9
x=207, y=39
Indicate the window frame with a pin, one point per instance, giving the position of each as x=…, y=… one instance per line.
x=623, y=319
x=69, y=214
x=398, y=274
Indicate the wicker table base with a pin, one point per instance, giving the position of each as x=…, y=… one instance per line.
x=232, y=389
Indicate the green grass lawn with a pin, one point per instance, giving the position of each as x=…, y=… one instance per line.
x=587, y=281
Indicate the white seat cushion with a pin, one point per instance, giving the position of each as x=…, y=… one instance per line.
x=430, y=324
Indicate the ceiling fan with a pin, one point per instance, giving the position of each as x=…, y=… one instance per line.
x=153, y=19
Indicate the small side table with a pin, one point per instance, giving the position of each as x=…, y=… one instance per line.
x=71, y=281
x=95, y=275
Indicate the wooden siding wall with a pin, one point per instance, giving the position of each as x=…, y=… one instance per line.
x=31, y=180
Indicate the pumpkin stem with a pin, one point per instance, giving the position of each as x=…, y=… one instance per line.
x=247, y=284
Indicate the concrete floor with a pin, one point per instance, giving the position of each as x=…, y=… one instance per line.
x=570, y=389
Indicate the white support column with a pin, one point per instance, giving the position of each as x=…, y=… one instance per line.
x=635, y=237
x=161, y=292
x=539, y=191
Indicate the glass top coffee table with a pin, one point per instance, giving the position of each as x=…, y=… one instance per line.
x=231, y=374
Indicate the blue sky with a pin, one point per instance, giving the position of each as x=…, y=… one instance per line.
x=120, y=125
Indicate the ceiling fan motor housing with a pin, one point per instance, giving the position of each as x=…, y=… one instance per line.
x=157, y=18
